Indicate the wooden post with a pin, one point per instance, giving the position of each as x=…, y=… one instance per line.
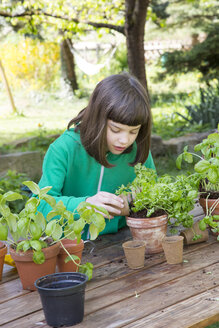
x=2, y=71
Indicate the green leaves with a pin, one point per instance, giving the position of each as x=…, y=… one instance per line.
x=3, y=232
x=34, y=188
x=87, y=269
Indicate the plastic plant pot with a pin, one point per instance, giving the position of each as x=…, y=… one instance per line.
x=62, y=297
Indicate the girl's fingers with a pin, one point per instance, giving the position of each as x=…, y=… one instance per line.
x=112, y=199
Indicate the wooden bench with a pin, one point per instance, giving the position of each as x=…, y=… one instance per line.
x=157, y=296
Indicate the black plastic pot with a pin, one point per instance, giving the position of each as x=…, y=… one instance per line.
x=62, y=297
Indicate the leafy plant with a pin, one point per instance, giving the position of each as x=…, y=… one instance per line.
x=12, y=181
x=207, y=111
x=30, y=230
x=208, y=165
x=207, y=173
x=175, y=196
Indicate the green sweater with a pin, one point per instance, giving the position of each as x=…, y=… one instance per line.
x=74, y=175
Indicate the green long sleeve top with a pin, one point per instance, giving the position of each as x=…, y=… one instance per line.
x=75, y=175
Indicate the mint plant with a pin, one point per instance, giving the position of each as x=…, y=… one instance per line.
x=30, y=230
x=175, y=196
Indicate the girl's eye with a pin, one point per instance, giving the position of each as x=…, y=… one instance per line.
x=134, y=132
x=114, y=131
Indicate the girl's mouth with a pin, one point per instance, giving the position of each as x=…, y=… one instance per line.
x=119, y=148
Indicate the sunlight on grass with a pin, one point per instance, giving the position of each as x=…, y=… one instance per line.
x=49, y=111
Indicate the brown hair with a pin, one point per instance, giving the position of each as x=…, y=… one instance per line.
x=122, y=99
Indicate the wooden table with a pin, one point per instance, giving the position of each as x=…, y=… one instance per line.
x=157, y=296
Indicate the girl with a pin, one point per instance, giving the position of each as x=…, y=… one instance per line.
x=90, y=161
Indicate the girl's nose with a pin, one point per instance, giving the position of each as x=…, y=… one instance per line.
x=124, y=139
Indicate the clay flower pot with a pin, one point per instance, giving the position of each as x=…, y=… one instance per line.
x=151, y=230
x=210, y=203
x=173, y=249
x=28, y=270
x=135, y=253
x=74, y=249
x=3, y=252
x=188, y=234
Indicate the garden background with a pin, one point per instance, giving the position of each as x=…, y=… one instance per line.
x=53, y=55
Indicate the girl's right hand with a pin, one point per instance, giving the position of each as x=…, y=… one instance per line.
x=112, y=203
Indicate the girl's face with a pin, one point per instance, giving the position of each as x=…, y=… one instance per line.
x=120, y=136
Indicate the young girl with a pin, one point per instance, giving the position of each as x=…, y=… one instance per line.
x=90, y=161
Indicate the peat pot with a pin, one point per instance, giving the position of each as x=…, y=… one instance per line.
x=3, y=252
x=74, y=249
x=62, y=297
x=188, y=234
x=210, y=203
x=135, y=253
x=173, y=249
x=151, y=230
x=28, y=270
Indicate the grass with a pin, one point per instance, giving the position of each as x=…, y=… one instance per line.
x=215, y=325
x=47, y=111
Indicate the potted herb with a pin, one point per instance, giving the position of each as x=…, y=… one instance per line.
x=35, y=241
x=207, y=174
x=155, y=201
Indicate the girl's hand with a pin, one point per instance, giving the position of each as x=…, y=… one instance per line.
x=112, y=203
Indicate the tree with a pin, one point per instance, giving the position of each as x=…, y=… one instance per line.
x=123, y=16
x=198, y=16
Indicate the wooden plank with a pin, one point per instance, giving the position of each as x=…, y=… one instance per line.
x=9, y=273
x=11, y=289
x=126, y=285
x=155, y=299
x=123, y=289
x=19, y=306
x=117, y=267
x=196, y=312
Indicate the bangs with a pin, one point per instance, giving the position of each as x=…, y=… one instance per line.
x=130, y=112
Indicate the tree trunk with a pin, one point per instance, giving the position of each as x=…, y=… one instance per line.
x=68, y=65
x=135, y=19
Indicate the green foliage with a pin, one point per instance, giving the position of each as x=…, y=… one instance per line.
x=207, y=167
x=203, y=57
x=207, y=111
x=174, y=195
x=12, y=181
x=30, y=230
x=207, y=171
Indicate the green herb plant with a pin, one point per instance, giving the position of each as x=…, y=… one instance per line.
x=207, y=174
x=175, y=196
x=29, y=230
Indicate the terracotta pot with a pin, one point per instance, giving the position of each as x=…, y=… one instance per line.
x=3, y=252
x=210, y=203
x=173, y=249
x=74, y=249
x=135, y=253
x=188, y=234
x=151, y=230
x=28, y=270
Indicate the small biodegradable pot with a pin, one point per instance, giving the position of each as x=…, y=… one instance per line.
x=188, y=234
x=135, y=253
x=173, y=249
x=74, y=249
x=62, y=297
